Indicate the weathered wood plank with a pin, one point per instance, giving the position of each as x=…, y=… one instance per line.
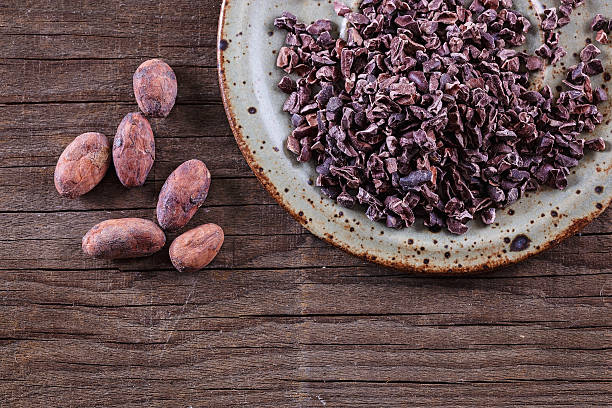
x=224, y=191
x=246, y=220
x=254, y=251
x=182, y=31
x=280, y=318
x=94, y=80
x=308, y=363
x=571, y=299
x=155, y=392
x=20, y=123
x=170, y=152
x=238, y=251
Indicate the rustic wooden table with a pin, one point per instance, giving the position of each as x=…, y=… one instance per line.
x=280, y=318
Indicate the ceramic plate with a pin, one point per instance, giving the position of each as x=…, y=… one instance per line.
x=248, y=76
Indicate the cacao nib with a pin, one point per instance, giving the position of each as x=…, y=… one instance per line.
x=599, y=23
x=589, y=52
x=425, y=110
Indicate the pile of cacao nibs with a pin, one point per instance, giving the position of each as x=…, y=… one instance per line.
x=424, y=110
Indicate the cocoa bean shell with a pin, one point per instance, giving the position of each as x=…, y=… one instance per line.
x=196, y=248
x=183, y=193
x=133, y=150
x=155, y=88
x=123, y=238
x=82, y=165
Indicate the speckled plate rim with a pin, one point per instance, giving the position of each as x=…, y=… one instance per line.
x=410, y=265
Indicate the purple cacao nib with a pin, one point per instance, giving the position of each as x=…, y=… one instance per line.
x=600, y=23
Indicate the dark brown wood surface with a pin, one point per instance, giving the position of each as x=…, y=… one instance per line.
x=280, y=318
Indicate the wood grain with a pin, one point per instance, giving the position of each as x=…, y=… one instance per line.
x=280, y=318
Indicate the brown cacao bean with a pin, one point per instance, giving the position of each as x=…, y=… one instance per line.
x=196, y=248
x=133, y=150
x=82, y=165
x=183, y=193
x=123, y=238
x=155, y=88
